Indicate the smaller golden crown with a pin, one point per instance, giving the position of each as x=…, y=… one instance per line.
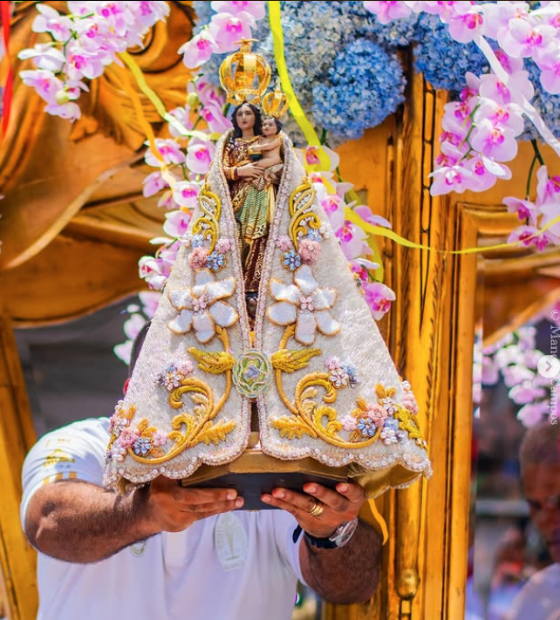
x=275, y=103
x=245, y=75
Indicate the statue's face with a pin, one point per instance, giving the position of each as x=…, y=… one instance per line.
x=245, y=117
x=269, y=127
x=541, y=483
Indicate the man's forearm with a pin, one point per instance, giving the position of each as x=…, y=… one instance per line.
x=80, y=522
x=346, y=575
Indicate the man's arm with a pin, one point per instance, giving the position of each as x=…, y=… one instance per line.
x=348, y=574
x=80, y=522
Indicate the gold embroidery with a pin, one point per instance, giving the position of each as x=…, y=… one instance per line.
x=207, y=224
x=193, y=428
x=303, y=217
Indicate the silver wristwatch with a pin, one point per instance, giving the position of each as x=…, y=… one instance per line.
x=337, y=539
x=344, y=532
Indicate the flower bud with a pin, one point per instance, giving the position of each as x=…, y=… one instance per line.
x=62, y=97
x=192, y=100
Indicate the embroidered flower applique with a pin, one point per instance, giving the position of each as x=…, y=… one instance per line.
x=341, y=375
x=200, y=307
x=172, y=376
x=291, y=260
x=305, y=304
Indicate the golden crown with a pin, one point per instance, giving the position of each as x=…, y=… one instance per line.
x=275, y=103
x=245, y=75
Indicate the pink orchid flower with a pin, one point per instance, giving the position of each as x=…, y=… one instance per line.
x=51, y=21
x=485, y=173
x=208, y=93
x=168, y=149
x=147, y=13
x=549, y=64
x=153, y=272
x=150, y=302
x=198, y=50
x=493, y=141
x=507, y=115
x=379, y=298
x=465, y=27
x=519, y=87
x=181, y=115
x=227, y=30
x=133, y=325
x=334, y=207
x=82, y=63
x=368, y=216
x=217, y=122
x=550, y=211
x=69, y=111
x=450, y=179
x=185, y=194
x=548, y=188
x=523, y=39
x=176, y=223
x=531, y=236
x=153, y=184
x=254, y=8
x=44, y=82
x=45, y=56
x=351, y=239
x=388, y=11
x=525, y=209
x=199, y=156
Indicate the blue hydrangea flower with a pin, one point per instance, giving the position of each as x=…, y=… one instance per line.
x=365, y=85
x=142, y=446
x=366, y=427
x=547, y=105
x=215, y=261
x=292, y=260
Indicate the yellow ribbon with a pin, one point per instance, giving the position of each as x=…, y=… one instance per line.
x=370, y=514
x=158, y=103
x=387, y=232
x=275, y=18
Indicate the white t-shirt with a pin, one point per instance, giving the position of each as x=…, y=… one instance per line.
x=237, y=566
x=540, y=597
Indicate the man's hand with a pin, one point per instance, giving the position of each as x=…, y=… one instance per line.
x=249, y=171
x=168, y=507
x=327, y=571
x=80, y=522
x=338, y=506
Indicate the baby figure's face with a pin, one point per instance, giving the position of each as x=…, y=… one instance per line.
x=269, y=127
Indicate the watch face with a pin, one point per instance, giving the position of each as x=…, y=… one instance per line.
x=344, y=533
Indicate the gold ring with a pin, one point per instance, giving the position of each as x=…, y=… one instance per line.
x=317, y=509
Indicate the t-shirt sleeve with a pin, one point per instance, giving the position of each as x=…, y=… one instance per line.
x=75, y=452
x=288, y=539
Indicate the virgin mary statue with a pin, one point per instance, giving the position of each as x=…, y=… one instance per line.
x=312, y=363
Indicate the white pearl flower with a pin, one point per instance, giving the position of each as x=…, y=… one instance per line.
x=305, y=304
x=200, y=307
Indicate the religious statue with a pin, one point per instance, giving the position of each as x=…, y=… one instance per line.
x=262, y=314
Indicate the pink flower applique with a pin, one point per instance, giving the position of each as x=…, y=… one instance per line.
x=198, y=258
x=310, y=251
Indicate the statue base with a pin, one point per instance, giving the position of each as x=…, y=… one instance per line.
x=254, y=473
